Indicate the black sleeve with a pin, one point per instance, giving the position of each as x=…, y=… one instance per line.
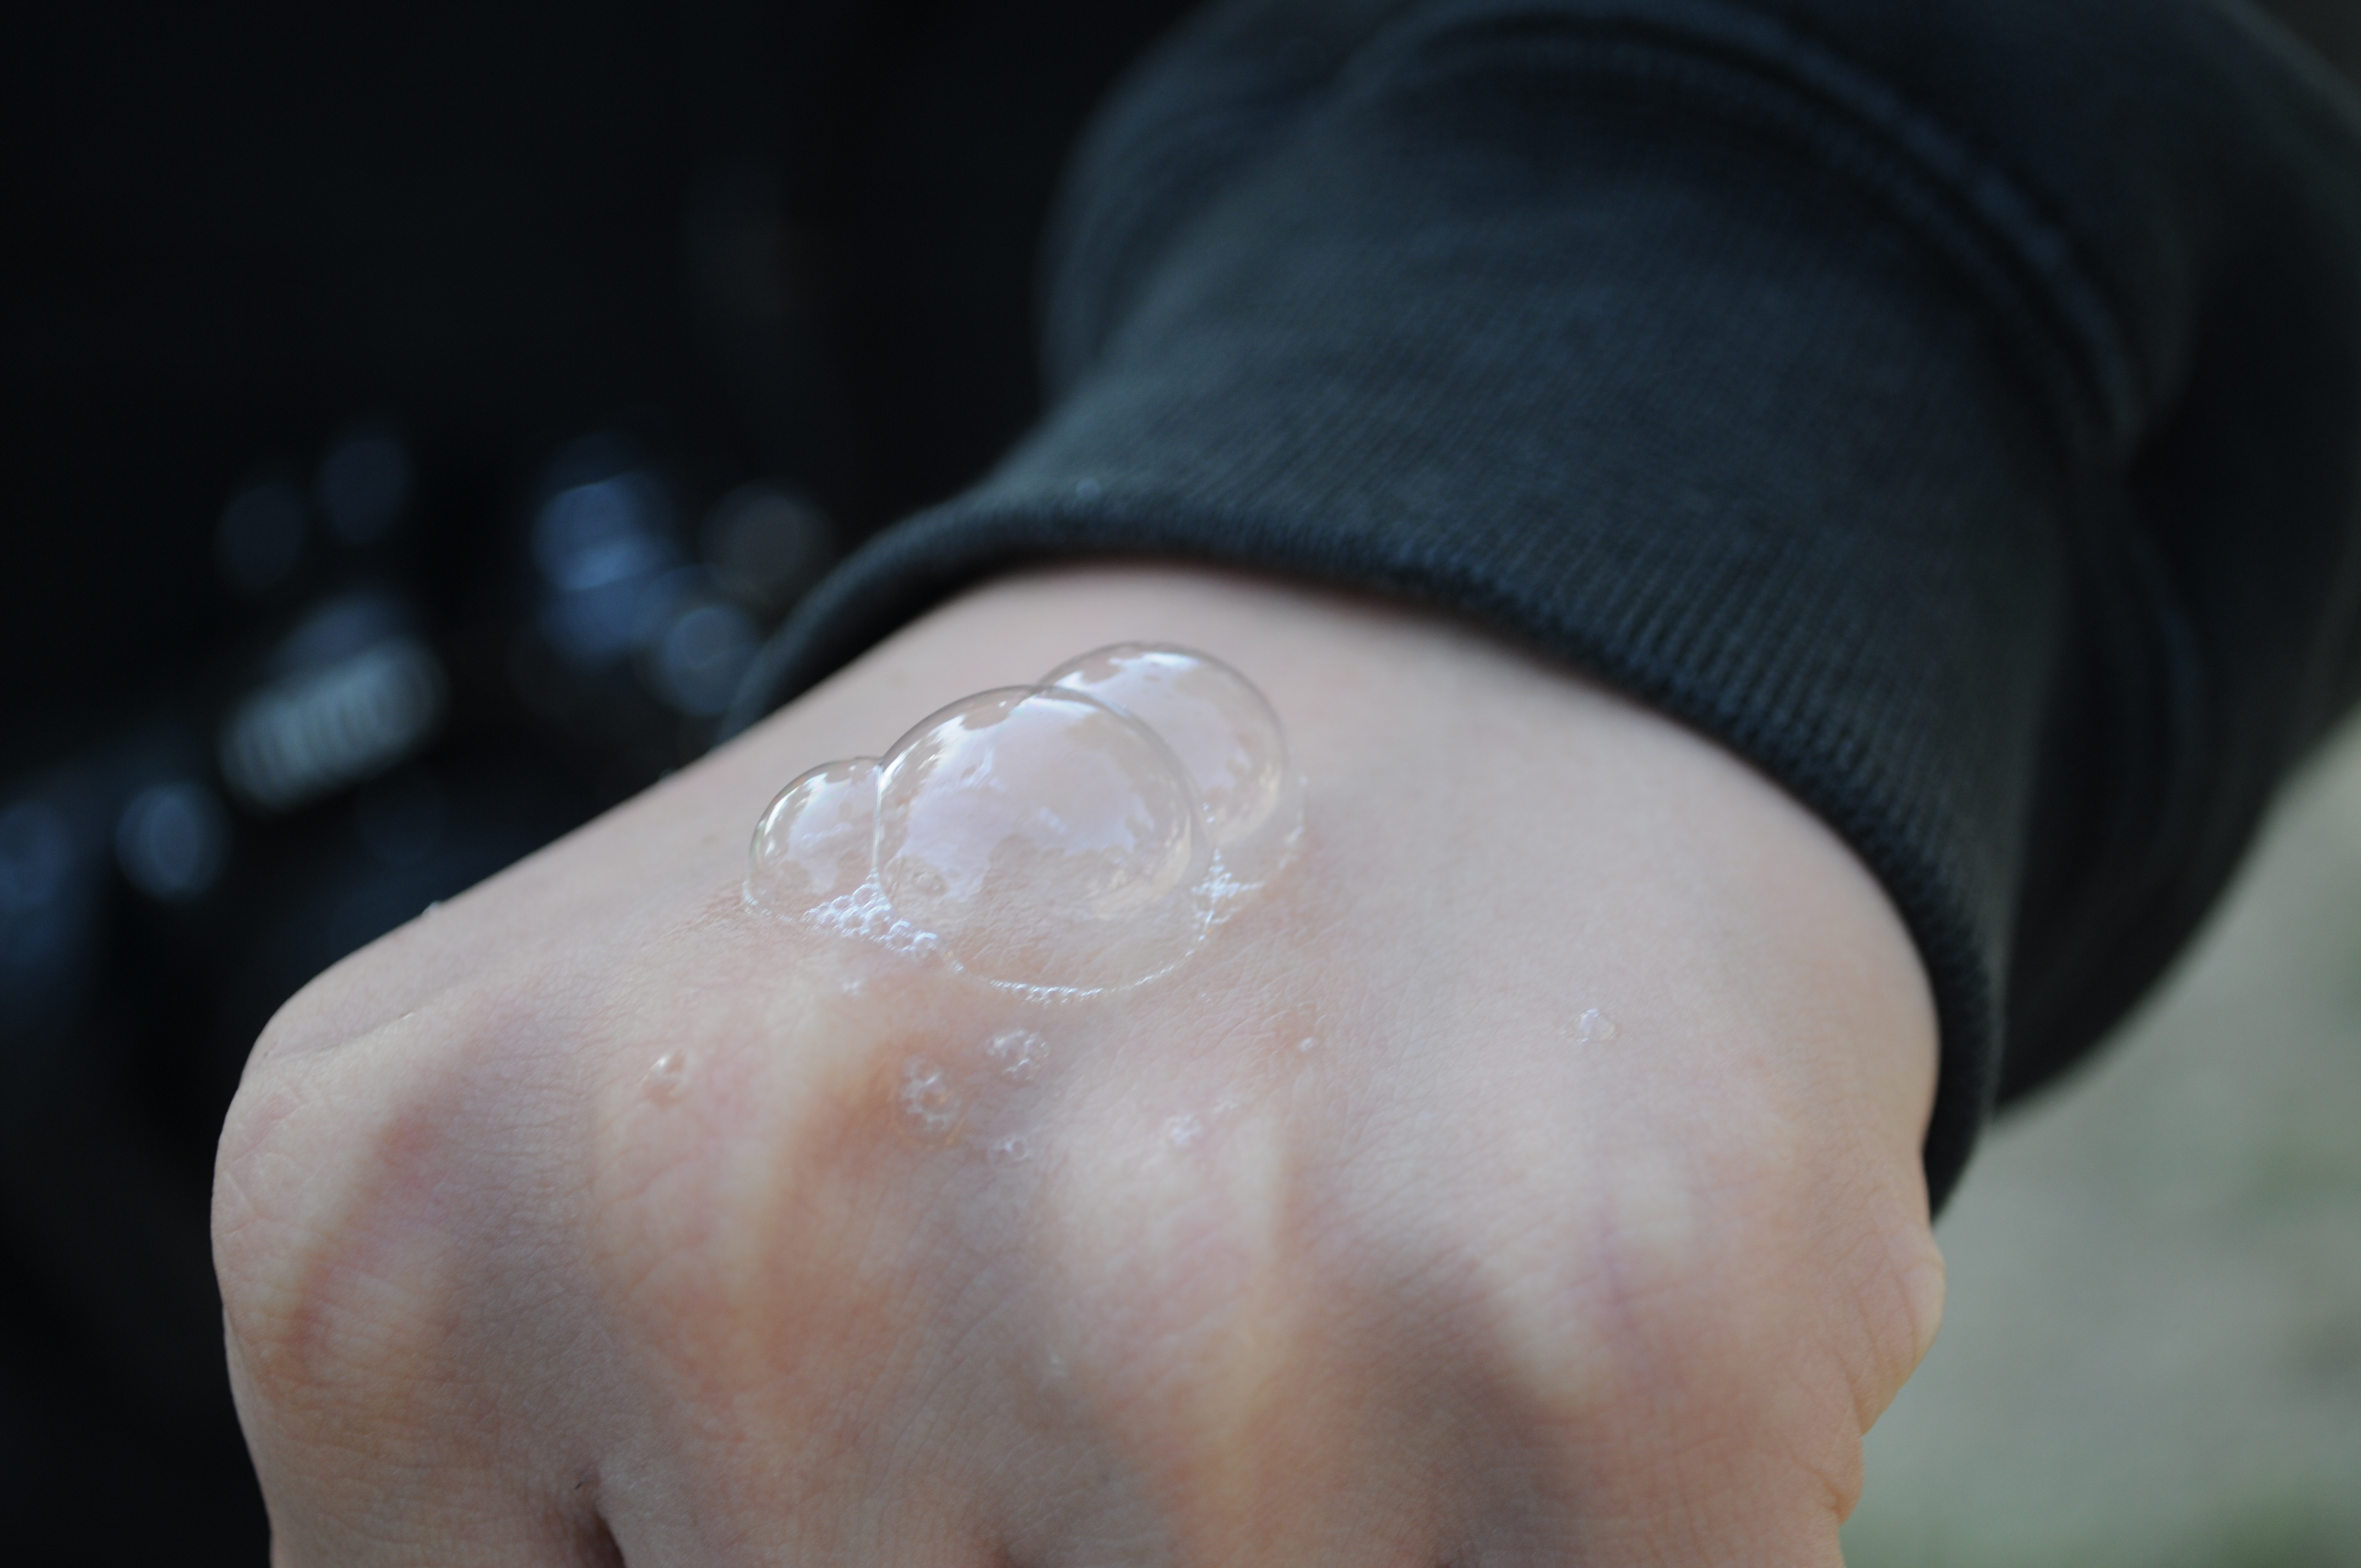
x=1952, y=407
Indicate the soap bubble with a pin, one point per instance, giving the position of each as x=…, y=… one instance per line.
x=930, y=1098
x=1223, y=731
x=813, y=844
x=1047, y=840
x=1016, y=1054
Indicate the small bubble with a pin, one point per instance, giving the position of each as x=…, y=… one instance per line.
x=1185, y=1130
x=929, y=1098
x=667, y=1079
x=812, y=844
x=1593, y=1026
x=1308, y=1043
x=1015, y=1149
x=1017, y=1054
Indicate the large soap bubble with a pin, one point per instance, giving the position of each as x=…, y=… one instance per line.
x=1223, y=731
x=1047, y=840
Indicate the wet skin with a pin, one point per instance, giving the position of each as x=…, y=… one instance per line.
x=587, y=1219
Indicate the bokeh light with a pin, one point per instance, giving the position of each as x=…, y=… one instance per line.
x=364, y=485
x=260, y=537
x=172, y=840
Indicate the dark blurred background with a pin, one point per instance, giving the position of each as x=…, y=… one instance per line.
x=416, y=416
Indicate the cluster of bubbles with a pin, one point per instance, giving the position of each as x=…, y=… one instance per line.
x=937, y=1098
x=1079, y=835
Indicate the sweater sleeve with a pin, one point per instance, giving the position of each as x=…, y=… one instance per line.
x=1951, y=408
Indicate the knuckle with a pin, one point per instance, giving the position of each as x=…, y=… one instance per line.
x=330, y=1207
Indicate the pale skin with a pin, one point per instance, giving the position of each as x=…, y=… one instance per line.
x=1453, y=1286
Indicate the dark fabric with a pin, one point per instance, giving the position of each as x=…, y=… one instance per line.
x=1953, y=409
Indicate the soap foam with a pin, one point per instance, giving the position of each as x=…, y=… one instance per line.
x=1079, y=835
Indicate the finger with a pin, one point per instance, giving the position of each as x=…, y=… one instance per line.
x=388, y=1218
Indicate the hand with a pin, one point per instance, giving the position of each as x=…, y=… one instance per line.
x=1452, y=1285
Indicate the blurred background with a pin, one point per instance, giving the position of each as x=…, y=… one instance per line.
x=2151, y=1358
x=416, y=416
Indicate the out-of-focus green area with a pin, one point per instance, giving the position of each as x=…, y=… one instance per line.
x=2152, y=1352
